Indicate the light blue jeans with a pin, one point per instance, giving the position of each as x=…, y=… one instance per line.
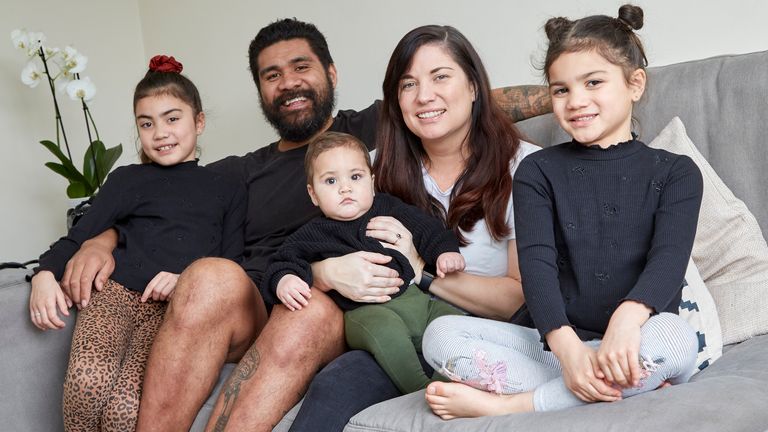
x=506, y=358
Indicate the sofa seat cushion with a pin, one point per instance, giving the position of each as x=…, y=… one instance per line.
x=729, y=395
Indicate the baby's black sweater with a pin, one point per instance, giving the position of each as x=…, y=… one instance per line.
x=323, y=238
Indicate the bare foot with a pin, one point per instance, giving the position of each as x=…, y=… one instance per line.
x=454, y=400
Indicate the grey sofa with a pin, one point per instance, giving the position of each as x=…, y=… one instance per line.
x=721, y=101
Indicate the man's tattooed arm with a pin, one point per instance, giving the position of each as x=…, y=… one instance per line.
x=522, y=102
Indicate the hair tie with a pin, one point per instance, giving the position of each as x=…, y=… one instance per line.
x=163, y=63
x=621, y=21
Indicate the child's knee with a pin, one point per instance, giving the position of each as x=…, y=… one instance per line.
x=676, y=344
x=439, y=336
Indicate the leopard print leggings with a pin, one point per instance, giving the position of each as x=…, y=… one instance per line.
x=110, y=347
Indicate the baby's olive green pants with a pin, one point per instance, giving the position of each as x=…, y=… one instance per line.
x=392, y=332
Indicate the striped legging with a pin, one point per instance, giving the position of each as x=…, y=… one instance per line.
x=505, y=358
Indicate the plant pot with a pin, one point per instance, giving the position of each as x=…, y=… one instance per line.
x=77, y=208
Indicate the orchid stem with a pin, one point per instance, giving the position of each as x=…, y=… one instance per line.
x=90, y=145
x=59, y=122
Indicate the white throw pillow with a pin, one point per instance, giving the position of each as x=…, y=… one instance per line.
x=698, y=308
x=729, y=250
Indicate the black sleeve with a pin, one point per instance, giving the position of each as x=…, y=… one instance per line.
x=290, y=258
x=675, y=228
x=361, y=124
x=109, y=206
x=536, y=249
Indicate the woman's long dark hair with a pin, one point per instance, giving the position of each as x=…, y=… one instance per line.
x=484, y=188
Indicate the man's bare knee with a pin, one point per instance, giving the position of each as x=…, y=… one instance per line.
x=207, y=289
x=314, y=334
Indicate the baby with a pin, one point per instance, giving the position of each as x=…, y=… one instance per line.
x=339, y=181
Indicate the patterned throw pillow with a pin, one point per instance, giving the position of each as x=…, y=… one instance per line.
x=729, y=250
x=698, y=308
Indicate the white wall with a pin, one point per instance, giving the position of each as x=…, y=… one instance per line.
x=211, y=39
x=33, y=198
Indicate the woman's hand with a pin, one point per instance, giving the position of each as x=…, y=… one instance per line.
x=360, y=276
x=45, y=297
x=618, y=356
x=161, y=287
x=579, y=366
x=394, y=235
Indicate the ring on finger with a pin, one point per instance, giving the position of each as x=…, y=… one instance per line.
x=37, y=314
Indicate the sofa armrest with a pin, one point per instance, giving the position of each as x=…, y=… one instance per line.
x=33, y=362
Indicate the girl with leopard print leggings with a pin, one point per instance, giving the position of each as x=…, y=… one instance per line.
x=167, y=212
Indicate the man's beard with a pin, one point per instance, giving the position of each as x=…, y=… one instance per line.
x=300, y=126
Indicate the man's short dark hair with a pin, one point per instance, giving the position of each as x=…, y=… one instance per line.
x=286, y=29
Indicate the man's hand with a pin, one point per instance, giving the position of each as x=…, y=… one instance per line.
x=91, y=265
x=161, y=287
x=46, y=296
x=293, y=292
x=359, y=276
x=618, y=356
x=449, y=262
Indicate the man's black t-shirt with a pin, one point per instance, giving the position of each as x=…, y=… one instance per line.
x=278, y=202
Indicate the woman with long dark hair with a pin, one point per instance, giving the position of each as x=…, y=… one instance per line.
x=443, y=145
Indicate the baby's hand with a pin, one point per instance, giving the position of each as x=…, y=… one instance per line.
x=160, y=287
x=45, y=297
x=293, y=292
x=449, y=262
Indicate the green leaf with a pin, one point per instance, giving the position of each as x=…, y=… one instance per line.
x=70, y=172
x=53, y=148
x=110, y=157
x=59, y=169
x=77, y=190
x=90, y=167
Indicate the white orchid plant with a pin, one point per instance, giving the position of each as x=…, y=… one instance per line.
x=62, y=69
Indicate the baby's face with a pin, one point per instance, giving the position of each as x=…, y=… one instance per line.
x=342, y=185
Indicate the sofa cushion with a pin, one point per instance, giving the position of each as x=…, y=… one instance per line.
x=737, y=385
x=729, y=250
x=697, y=307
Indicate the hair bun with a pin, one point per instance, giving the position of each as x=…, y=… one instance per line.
x=163, y=63
x=556, y=27
x=632, y=16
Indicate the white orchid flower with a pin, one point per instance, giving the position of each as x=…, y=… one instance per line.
x=74, y=62
x=20, y=38
x=31, y=75
x=81, y=89
x=50, y=51
x=36, y=40
x=62, y=81
x=69, y=52
x=28, y=41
